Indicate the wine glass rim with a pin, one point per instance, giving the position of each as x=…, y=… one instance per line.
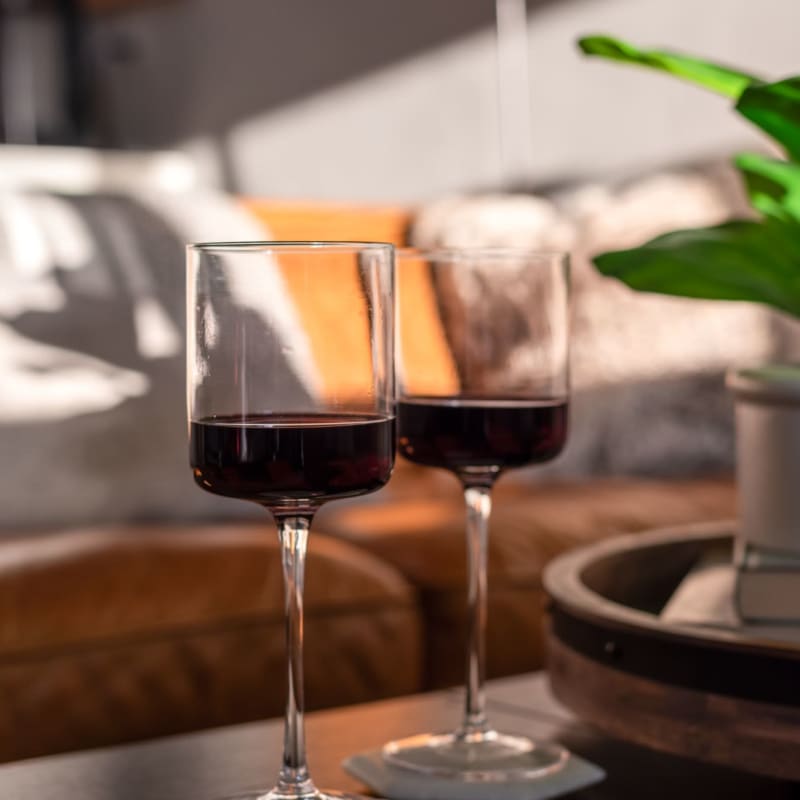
x=465, y=253
x=286, y=246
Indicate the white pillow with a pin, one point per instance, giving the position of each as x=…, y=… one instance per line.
x=92, y=365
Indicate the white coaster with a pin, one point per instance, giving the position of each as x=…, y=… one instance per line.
x=398, y=784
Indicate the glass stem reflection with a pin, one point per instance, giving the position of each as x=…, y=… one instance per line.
x=294, y=780
x=479, y=506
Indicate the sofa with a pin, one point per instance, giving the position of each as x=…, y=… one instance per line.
x=143, y=608
x=124, y=632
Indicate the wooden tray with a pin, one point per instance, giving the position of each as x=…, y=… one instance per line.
x=715, y=695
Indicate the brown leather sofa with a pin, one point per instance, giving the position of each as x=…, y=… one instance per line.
x=122, y=633
x=119, y=633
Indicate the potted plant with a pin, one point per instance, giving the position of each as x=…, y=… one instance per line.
x=755, y=260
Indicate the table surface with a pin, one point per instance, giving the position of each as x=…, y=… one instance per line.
x=218, y=763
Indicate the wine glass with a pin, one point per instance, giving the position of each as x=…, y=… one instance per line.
x=483, y=373
x=291, y=403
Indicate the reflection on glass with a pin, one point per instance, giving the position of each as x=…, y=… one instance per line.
x=291, y=402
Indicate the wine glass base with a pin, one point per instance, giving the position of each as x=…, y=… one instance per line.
x=486, y=757
x=316, y=794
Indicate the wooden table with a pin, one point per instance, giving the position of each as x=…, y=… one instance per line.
x=217, y=763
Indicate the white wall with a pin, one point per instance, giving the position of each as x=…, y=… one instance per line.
x=428, y=125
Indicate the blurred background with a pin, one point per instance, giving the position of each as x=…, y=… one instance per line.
x=132, y=604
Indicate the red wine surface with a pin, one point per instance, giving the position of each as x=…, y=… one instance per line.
x=272, y=458
x=457, y=433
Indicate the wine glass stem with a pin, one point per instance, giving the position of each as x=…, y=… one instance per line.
x=479, y=507
x=294, y=780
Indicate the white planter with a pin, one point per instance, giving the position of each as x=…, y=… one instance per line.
x=768, y=458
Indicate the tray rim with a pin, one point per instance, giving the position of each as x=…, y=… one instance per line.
x=563, y=585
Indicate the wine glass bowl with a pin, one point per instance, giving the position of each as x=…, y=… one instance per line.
x=483, y=366
x=291, y=403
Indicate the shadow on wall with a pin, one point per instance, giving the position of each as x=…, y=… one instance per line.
x=250, y=56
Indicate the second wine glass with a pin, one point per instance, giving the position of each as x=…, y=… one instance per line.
x=483, y=369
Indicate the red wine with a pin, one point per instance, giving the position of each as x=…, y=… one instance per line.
x=272, y=458
x=497, y=433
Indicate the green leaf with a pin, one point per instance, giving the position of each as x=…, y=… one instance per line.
x=716, y=77
x=754, y=261
x=775, y=108
x=772, y=185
